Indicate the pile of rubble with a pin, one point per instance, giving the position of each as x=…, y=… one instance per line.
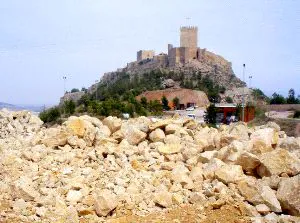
x=18, y=123
x=87, y=170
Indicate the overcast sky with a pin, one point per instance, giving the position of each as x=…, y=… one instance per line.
x=43, y=40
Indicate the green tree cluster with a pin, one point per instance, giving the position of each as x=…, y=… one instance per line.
x=50, y=115
x=291, y=98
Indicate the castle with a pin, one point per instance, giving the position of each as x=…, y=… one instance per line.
x=187, y=51
x=187, y=57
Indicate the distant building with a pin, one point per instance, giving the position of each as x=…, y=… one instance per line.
x=227, y=112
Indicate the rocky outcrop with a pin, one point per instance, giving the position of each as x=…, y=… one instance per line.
x=88, y=170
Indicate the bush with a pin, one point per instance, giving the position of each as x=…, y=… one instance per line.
x=50, y=115
x=74, y=90
x=176, y=102
x=296, y=114
x=165, y=103
x=69, y=107
x=228, y=99
x=277, y=99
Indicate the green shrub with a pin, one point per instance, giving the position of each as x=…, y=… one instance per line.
x=165, y=103
x=211, y=115
x=296, y=114
x=69, y=107
x=176, y=102
x=74, y=90
x=229, y=99
x=50, y=115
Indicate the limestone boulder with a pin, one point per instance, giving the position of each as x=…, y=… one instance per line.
x=206, y=156
x=205, y=138
x=113, y=123
x=172, y=139
x=163, y=199
x=239, y=130
x=157, y=135
x=257, y=193
x=54, y=137
x=210, y=168
x=248, y=161
x=142, y=123
x=288, y=194
x=74, y=196
x=171, y=128
x=229, y=174
x=132, y=134
x=268, y=136
x=262, y=209
x=82, y=128
x=278, y=162
x=169, y=148
x=105, y=202
x=159, y=124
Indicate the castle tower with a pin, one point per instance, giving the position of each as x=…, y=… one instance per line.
x=189, y=36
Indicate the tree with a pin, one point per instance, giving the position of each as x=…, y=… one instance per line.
x=155, y=107
x=165, y=103
x=211, y=114
x=74, y=90
x=84, y=89
x=291, y=99
x=69, y=107
x=258, y=94
x=144, y=102
x=277, y=99
x=229, y=99
x=50, y=115
x=176, y=102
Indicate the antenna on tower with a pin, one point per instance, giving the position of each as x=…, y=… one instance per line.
x=188, y=19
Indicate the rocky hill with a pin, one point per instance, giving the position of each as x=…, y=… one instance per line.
x=146, y=170
x=210, y=65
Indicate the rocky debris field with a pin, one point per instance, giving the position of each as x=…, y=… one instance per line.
x=146, y=170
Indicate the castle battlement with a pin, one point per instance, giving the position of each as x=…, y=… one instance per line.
x=184, y=28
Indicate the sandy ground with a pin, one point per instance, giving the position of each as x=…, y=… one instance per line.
x=228, y=213
x=198, y=113
x=276, y=114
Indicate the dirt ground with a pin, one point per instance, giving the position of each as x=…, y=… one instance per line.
x=192, y=214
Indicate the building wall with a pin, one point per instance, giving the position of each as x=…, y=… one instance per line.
x=182, y=55
x=145, y=54
x=189, y=37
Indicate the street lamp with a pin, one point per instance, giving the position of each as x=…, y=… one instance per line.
x=96, y=81
x=243, y=98
x=65, y=79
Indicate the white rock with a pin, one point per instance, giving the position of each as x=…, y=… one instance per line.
x=157, y=135
x=105, y=202
x=74, y=196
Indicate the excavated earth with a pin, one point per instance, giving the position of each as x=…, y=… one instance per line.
x=146, y=170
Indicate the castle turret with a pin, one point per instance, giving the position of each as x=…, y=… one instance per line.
x=189, y=36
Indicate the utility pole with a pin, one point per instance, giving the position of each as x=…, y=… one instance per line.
x=243, y=98
x=96, y=81
x=65, y=79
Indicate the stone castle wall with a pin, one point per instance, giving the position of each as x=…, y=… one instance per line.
x=145, y=54
x=189, y=37
x=182, y=55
